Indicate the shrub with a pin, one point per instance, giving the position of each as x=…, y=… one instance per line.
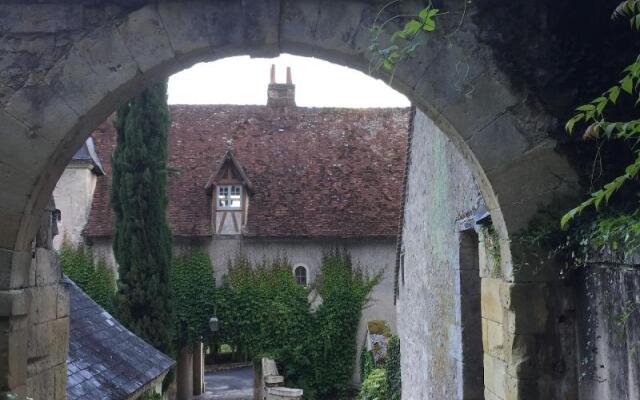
x=97, y=281
x=394, y=374
x=375, y=386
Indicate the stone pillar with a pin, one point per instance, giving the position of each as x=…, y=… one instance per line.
x=34, y=319
x=198, y=369
x=184, y=371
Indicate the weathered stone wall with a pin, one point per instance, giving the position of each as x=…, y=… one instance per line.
x=36, y=321
x=64, y=66
x=608, y=314
x=440, y=191
x=73, y=195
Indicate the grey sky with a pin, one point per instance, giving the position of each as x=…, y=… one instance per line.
x=242, y=80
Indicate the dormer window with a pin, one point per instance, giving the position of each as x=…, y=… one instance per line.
x=229, y=197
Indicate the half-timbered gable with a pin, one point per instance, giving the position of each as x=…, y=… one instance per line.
x=230, y=189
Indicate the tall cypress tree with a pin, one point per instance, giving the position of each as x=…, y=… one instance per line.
x=142, y=239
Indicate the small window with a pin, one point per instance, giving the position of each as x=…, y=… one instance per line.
x=230, y=197
x=300, y=274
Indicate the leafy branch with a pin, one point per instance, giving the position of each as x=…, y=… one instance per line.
x=402, y=44
x=599, y=127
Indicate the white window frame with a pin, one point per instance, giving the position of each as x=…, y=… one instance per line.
x=306, y=271
x=228, y=197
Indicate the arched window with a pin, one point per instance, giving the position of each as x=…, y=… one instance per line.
x=300, y=273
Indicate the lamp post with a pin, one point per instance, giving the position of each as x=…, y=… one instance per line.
x=214, y=324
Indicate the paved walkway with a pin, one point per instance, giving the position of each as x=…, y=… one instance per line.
x=232, y=384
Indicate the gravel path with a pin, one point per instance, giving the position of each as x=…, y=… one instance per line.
x=232, y=384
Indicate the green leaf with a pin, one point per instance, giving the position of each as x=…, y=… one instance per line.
x=627, y=84
x=614, y=93
x=586, y=107
x=429, y=25
x=412, y=27
x=573, y=121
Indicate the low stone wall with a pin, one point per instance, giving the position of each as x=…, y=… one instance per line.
x=608, y=311
x=271, y=385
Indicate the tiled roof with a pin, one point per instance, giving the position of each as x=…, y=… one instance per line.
x=316, y=172
x=106, y=361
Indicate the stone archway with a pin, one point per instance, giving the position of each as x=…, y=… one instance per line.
x=84, y=58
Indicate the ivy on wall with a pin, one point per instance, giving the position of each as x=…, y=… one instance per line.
x=97, y=281
x=264, y=312
x=192, y=284
x=383, y=379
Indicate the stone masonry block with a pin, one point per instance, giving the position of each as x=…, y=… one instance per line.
x=495, y=374
x=16, y=269
x=520, y=352
x=493, y=338
x=60, y=331
x=13, y=355
x=145, y=37
x=60, y=382
x=14, y=302
x=42, y=385
x=40, y=18
x=43, y=303
x=62, y=303
x=40, y=341
x=48, y=270
x=221, y=28
x=527, y=305
x=492, y=308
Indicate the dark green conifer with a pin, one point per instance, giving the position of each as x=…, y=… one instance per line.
x=142, y=239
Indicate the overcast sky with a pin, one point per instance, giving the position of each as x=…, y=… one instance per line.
x=242, y=80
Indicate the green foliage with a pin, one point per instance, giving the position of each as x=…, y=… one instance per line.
x=151, y=396
x=402, y=44
x=193, y=290
x=142, y=240
x=492, y=247
x=380, y=327
x=600, y=127
x=367, y=363
x=264, y=312
x=97, y=281
x=375, y=386
x=392, y=366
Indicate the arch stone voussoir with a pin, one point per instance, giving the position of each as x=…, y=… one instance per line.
x=454, y=80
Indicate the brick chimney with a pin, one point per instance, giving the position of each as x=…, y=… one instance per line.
x=281, y=94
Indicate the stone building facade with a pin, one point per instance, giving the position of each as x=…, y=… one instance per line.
x=275, y=180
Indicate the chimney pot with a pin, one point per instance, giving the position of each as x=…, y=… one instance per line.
x=273, y=74
x=289, y=80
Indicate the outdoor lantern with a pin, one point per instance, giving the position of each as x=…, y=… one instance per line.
x=213, y=324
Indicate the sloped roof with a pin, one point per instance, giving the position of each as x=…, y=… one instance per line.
x=87, y=153
x=316, y=172
x=106, y=361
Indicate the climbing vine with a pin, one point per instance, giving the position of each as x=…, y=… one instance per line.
x=193, y=287
x=392, y=365
x=264, y=312
x=402, y=44
x=97, y=281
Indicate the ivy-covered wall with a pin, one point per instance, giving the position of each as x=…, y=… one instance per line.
x=374, y=255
